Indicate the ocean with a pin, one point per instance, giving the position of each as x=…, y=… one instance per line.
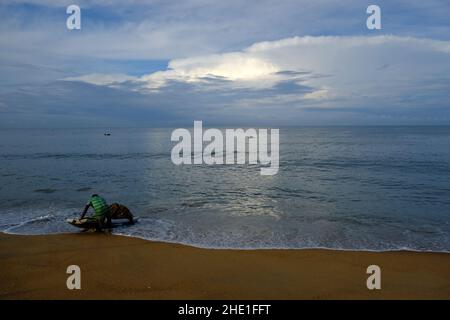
x=349, y=188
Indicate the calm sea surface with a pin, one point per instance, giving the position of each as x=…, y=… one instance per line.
x=374, y=188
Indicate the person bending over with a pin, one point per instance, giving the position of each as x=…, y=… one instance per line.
x=104, y=212
x=101, y=211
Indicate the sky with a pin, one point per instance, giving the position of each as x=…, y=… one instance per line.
x=227, y=63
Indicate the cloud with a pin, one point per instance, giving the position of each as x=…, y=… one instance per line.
x=239, y=69
x=225, y=62
x=173, y=29
x=352, y=68
x=298, y=80
x=319, y=94
x=102, y=79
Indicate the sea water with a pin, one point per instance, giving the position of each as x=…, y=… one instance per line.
x=365, y=188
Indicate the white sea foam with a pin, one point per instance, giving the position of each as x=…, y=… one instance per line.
x=220, y=237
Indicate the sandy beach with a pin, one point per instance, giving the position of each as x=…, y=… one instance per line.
x=115, y=267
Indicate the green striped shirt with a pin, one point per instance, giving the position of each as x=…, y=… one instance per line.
x=100, y=206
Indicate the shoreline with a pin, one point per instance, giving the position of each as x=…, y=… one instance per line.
x=191, y=245
x=124, y=267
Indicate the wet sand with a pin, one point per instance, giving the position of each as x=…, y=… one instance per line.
x=114, y=267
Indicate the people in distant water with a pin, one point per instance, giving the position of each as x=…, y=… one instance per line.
x=103, y=213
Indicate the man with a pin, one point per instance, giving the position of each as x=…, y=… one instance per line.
x=104, y=212
x=101, y=209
